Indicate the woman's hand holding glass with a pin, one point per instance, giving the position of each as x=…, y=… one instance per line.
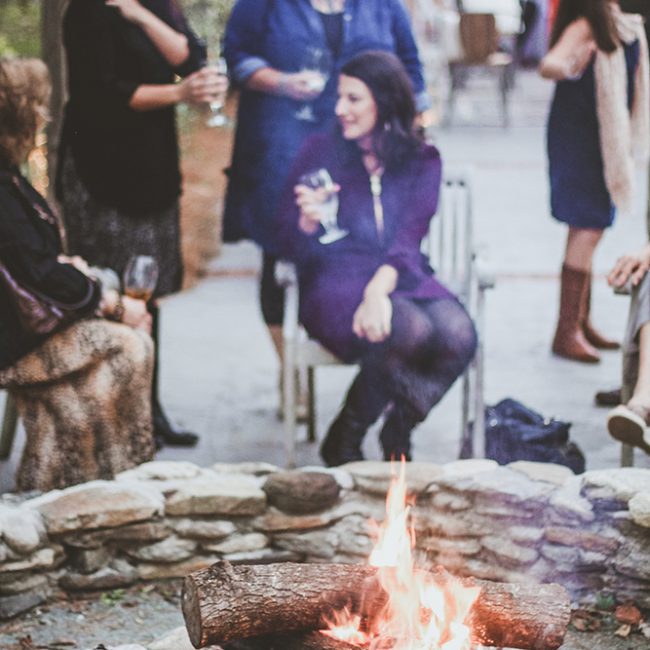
x=318, y=200
x=302, y=86
x=204, y=86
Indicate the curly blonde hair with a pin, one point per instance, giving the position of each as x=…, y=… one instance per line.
x=24, y=100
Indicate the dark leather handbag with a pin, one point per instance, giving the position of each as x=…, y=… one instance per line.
x=515, y=432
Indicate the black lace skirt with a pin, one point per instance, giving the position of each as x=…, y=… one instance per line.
x=106, y=236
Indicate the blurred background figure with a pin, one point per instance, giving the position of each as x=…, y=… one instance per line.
x=366, y=293
x=284, y=56
x=598, y=119
x=82, y=389
x=118, y=173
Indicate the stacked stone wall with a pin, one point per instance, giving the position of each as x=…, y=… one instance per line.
x=520, y=523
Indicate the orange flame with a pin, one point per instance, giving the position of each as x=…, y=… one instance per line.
x=419, y=614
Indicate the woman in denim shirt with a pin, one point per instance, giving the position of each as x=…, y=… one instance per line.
x=266, y=44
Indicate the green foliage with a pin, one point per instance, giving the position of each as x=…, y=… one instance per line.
x=20, y=27
x=208, y=18
x=112, y=597
x=605, y=601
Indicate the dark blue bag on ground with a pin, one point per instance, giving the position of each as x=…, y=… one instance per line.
x=515, y=432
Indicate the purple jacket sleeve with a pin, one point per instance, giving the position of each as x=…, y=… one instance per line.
x=418, y=208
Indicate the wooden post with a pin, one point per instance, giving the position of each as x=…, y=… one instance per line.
x=52, y=53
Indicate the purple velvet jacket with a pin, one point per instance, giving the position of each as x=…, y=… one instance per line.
x=333, y=276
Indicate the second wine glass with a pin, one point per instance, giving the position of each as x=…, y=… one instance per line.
x=318, y=62
x=140, y=277
x=329, y=207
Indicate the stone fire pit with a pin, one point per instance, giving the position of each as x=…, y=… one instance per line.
x=521, y=523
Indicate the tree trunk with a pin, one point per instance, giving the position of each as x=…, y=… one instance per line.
x=53, y=55
x=223, y=603
x=296, y=641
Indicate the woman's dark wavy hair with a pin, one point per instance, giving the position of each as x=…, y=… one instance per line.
x=597, y=13
x=394, y=139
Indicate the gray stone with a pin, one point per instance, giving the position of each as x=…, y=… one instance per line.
x=44, y=558
x=468, y=468
x=343, y=478
x=149, y=571
x=374, y=477
x=201, y=529
x=11, y=606
x=169, y=550
x=507, y=553
x=148, y=531
x=354, y=535
x=100, y=504
x=26, y=582
x=501, y=486
x=620, y=484
x=301, y=492
x=547, y=472
x=632, y=558
x=252, y=468
x=568, y=504
x=526, y=535
x=463, y=524
x=319, y=543
x=264, y=556
x=441, y=545
x=239, y=544
x=450, y=501
x=639, y=506
x=161, y=470
x=177, y=639
x=228, y=495
x=88, y=560
x=275, y=521
x=582, y=539
x=563, y=556
x=21, y=528
x=118, y=574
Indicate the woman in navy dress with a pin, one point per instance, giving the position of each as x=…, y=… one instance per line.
x=266, y=44
x=370, y=297
x=596, y=58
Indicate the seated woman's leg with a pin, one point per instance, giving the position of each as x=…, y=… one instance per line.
x=431, y=345
x=84, y=397
x=364, y=403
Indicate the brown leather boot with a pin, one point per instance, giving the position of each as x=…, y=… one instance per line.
x=569, y=341
x=591, y=333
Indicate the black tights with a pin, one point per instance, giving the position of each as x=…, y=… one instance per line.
x=271, y=293
x=431, y=344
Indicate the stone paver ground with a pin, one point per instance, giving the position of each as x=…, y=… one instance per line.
x=220, y=375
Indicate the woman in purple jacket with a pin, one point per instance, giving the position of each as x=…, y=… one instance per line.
x=370, y=297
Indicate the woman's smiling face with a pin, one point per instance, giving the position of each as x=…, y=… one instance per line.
x=356, y=110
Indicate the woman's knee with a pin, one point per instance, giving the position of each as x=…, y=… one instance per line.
x=456, y=332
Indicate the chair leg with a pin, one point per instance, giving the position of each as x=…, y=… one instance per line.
x=627, y=456
x=289, y=402
x=466, y=432
x=504, y=89
x=311, y=404
x=9, y=425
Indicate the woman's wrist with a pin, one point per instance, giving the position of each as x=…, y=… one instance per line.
x=111, y=306
x=282, y=84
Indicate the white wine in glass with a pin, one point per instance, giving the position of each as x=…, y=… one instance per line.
x=140, y=277
x=329, y=206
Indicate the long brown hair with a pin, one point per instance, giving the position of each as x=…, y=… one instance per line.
x=597, y=13
x=24, y=96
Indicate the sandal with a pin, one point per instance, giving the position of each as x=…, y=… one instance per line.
x=628, y=423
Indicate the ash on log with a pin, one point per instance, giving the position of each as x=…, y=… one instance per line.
x=224, y=603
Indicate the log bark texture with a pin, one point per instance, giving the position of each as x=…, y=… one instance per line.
x=224, y=603
x=295, y=641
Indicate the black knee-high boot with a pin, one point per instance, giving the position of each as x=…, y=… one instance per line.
x=364, y=403
x=395, y=435
x=163, y=431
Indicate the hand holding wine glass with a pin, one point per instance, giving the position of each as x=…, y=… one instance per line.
x=327, y=206
x=217, y=117
x=317, y=63
x=140, y=277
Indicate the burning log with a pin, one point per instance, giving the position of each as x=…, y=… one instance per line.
x=224, y=603
x=296, y=641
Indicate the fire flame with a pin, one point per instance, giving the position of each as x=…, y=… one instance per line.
x=420, y=614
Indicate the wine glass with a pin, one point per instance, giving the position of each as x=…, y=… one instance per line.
x=140, y=277
x=217, y=117
x=319, y=63
x=329, y=207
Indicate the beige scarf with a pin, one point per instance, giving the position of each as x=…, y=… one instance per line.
x=624, y=135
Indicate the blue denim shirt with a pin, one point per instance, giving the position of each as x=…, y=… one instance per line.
x=278, y=33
